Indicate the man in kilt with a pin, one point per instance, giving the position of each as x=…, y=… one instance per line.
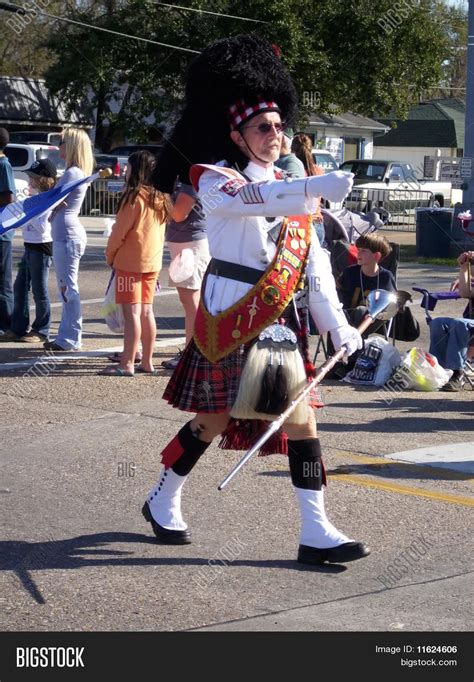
x=249, y=358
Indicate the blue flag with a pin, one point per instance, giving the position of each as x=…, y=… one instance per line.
x=20, y=212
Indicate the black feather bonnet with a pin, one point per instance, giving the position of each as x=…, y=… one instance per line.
x=244, y=67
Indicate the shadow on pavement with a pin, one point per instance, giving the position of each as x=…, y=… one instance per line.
x=441, y=404
x=85, y=551
x=393, y=469
x=401, y=424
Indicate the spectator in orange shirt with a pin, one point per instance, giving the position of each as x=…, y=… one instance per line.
x=135, y=250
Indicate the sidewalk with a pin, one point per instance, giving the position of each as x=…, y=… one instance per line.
x=93, y=224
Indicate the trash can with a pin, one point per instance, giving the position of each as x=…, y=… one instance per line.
x=433, y=232
x=461, y=240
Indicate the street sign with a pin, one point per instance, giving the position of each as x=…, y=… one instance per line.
x=450, y=172
x=115, y=185
x=466, y=168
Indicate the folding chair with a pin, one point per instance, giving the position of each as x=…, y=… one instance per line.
x=343, y=254
x=428, y=303
x=349, y=225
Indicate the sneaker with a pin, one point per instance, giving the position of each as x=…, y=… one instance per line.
x=172, y=363
x=52, y=345
x=33, y=337
x=9, y=336
x=453, y=385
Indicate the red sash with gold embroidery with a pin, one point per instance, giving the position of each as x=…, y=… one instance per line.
x=218, y=335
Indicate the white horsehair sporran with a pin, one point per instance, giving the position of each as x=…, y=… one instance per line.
x=273, y=375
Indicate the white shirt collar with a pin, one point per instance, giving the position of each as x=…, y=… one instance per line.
x=259, y=173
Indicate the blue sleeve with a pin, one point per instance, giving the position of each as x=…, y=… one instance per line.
x=295, y=169
x=7, y=180
x=188, y=190
x=392, y=283
x=346, y=287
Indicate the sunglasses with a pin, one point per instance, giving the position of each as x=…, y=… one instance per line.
x=265, y=128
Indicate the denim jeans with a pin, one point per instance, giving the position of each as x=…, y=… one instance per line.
x=66, y=257
x=449, y=339
x=33, y=271
x=6, y=285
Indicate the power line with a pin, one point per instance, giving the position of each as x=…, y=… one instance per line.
x=215, y=14
x=10, y=7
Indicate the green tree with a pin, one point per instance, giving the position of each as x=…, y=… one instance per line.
x=360, y=56
x=22, y=42
x=454, y=20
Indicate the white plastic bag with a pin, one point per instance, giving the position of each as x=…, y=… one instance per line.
x=182, y=266
x=108, y=225
x=113, y=312
x=375, y=363
x=421, y=371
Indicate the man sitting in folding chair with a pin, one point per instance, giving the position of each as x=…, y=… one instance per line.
x=452, y=339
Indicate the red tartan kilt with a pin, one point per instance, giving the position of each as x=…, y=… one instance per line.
x=198, y=385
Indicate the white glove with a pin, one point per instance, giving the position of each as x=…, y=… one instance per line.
x=332, y=186
x=347, y=337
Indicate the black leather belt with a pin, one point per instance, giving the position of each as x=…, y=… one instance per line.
x=241, y=273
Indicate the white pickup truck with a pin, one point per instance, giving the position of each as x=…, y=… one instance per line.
x=22, y=156
x=394, y=186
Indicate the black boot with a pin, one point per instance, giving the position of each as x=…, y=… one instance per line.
x=163, y=506
x=320, y=541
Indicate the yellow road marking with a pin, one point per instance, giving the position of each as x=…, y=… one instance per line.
x=404, y=489
x=414, y=491
x=414, y=468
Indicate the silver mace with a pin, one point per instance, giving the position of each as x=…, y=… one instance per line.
x=381, y=305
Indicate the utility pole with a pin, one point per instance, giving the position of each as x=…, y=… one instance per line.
x=468, y=194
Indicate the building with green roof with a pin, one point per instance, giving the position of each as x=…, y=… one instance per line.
x=433, y=128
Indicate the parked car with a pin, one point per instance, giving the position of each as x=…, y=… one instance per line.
x=116, y=163
x=128, y=149
x=35, y=136
x=373, y=170
x=325, y=160
x=103, y=195
x=22, y=156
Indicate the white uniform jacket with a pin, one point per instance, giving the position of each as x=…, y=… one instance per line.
x=239, y=216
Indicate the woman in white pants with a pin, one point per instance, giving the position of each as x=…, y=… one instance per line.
x=69, y=239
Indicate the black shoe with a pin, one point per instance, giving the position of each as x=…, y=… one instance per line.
x=453, y=385
x=349, y=551
x=164, y=535
x=173, y=362
x=52, y=345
